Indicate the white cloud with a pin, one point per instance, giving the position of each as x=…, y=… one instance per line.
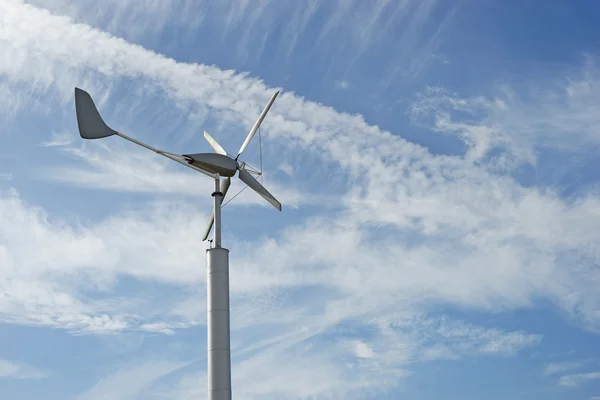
x=343, y=27
x=59, y=139
x=46, y=264
x=401, y=342
x=14, y=370
x=131, y=381
x=556, y=112
x=363, y=350
x=575, y=380
x=560, y=367
x=417, y=34
x=287, y=168
x=159, y=327
x=342, y=84
x=300, y=368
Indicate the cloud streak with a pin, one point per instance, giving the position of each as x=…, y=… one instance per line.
x=556, y=368
x=12, y=370
x=575, y=380
x=131, y=381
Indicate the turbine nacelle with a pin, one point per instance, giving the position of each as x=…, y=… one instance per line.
x=215, y=163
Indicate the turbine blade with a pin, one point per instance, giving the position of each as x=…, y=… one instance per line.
x=257, y=124
x=90, y=123
x=258, y=188
x=211, y=221
x=214, y=144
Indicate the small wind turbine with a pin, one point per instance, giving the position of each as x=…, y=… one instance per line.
x=92, y=126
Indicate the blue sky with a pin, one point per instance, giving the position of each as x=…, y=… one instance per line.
x=437, y=163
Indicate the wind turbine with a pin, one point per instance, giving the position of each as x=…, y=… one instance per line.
x=215, y=165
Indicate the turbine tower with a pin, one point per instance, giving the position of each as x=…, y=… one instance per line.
x=215, y=165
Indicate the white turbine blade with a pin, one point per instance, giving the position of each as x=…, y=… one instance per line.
x=257, y=123
x=258, y=188
x=90, y=123
x=211, y=222
x=214, y=144
x=224, y=189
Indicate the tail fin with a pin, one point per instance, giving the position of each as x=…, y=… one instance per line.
x=91, y=125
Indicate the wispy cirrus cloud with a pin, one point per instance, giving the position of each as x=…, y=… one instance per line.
x=575, y=380
x=552, y=113
x=43, y=264
x=18, y=370
x=131, y=381
x=368, y=368
x=59, y=140
x=561, y=367
x=328, y=31
x=145, y=19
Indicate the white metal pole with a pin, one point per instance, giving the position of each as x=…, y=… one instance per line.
x=218, y=195
x=217, y=283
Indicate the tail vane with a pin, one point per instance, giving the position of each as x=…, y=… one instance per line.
x=90, y=123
